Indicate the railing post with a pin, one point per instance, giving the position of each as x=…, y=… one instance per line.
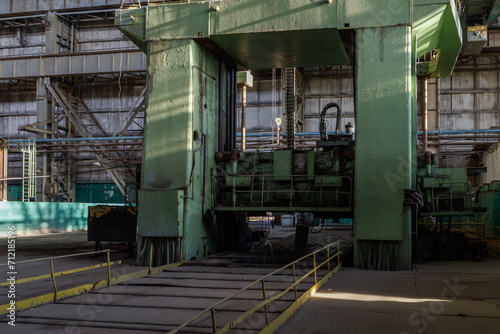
x=53, y=278
x=314, y=261
x=321, y=192
x=264, y=295
x=234, y=189
x=214, y=324
x=451, y=198
x=294, y=280
x=109, y=270
x=262, y=191
x=328, y=257
x=151, y=258
x=338, y=252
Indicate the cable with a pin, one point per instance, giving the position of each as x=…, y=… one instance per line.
x=120, y=89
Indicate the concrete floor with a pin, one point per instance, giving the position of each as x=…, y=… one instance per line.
x=160, y=302
x=57, y=244
x=456, y=297
x=447, y=297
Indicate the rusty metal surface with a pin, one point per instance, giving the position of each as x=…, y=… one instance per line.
x=112, y=223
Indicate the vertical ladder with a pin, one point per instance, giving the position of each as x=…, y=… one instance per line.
x=290, y=102
x=29, y=170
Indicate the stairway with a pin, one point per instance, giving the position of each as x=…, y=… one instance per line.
x=86, y=124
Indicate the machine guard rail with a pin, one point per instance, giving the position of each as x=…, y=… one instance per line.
x=466, y=195
x=291, y=191
x=473, y=226
x=267, y=301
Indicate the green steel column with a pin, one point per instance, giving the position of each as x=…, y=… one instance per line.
x=383, y=140
x=179, y=142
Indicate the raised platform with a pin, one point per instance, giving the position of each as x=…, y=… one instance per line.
x=442, y=297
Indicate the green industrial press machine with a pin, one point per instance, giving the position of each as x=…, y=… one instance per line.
x=196, y=188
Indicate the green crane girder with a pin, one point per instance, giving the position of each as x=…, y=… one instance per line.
x=389, y=37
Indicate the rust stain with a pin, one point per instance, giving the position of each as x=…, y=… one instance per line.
x=94, y=286
x=99, y=211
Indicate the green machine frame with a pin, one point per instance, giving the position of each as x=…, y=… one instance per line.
x=193, y=48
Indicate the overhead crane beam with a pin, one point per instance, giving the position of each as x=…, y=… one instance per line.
x=185, y=44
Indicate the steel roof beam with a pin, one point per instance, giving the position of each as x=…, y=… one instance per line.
x=75, y=64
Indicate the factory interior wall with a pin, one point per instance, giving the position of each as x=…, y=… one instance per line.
x=491, y=161
x=43, y=217
x=84, y=193
x=466, y=100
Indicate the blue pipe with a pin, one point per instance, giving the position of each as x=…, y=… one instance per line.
x=75, y=139
x=457, y=132
x=266, y=134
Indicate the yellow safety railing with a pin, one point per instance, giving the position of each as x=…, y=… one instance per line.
x=475, y=228
x=266, y=301
x=471, y=226
x=63, y=294
x=54, y=274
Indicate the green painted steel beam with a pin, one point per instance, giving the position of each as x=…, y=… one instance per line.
x=390, y=35
x=438, y=27
x=384, y=158
x=179, y=144
x=427, y=68
x=495, y=12
x=322, y=47
x=353, y=14
x=132, y=22
x=257, y=33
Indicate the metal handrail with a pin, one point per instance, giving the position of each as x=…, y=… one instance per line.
x=291, y=190
x=476, y=226
x=59, y=257
x=71, y=292
x=53, y=274
x=466, y=194
x=267, y=301
x=61, y=273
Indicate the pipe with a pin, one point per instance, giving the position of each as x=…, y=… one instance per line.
x=92, y=151
x=77, y=139
x=220, y=145
x=428, y=162
x=475, y=137
x=97, y=144
x=424, y=113
x=456, y=132
x=266, y=134
x=243, y=117
x=21, y=178
x=322, y=123
x=485, y=144
x=234, y=92
x=438, y=104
